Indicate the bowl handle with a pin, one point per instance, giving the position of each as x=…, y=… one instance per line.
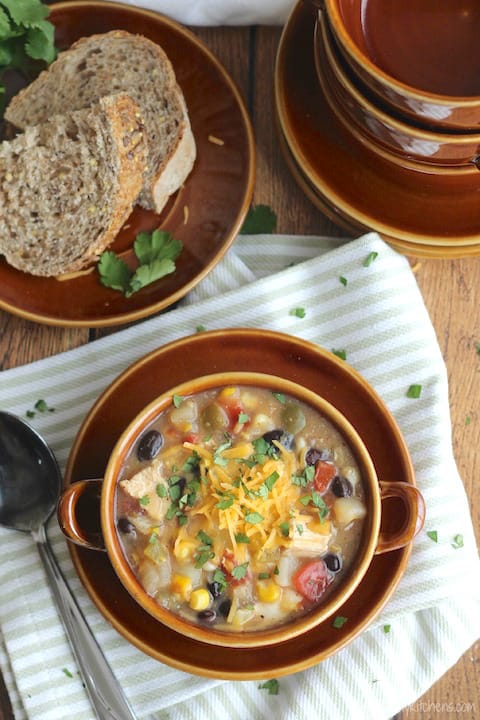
x=414, y=511
x=82, y=528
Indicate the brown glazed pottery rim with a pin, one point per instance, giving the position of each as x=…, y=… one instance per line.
x=224, y=351
x=384, y=133
x=353, y=228
x=206, y=214
x=437, y=210
x=459, y=109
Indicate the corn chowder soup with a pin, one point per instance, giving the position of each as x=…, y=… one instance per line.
x=240, y=508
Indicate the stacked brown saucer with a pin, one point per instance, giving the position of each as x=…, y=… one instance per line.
x=370, y=149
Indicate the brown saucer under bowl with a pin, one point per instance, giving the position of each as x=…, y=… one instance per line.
x=224, y=351
x=412, y=209
x=206, y=214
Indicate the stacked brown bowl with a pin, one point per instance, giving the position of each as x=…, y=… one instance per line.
x=399, y=91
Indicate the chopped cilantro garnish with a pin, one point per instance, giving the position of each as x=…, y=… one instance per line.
x=227, y=502
x=433, y=535
x=386, y=629
x=253, y=518
x=260, y=220
x=457, y=542
x=280, y=397
x=263, y=576
x=342, y=354
x=239, y=571
x=284, y=528
x=200, y=328
x=270, y=481
x=204, y=538
x=298, y=312
x=145, y=500
x=242, y=538
x=219, y=577
x=177, y=400
x=203, y=555
x=370, y=258
x=243, y=417
x=339, y=621
x=272, y=686
x=343, y=280
x=161, y=490
x=156, y=253
x=414, y=391
x=40, y=406
x=300, y=529
x=67, y=672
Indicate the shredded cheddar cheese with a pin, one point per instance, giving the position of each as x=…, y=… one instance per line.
x=246, y=498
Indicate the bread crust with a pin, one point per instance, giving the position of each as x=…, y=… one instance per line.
x=168, y=165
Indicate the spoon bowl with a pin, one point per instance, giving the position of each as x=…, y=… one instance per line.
x=30, y=485
x=30, y=479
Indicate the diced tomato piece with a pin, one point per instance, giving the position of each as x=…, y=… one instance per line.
x=233, y=410
x=192, y=438
x=311, y=580
x=324, y=474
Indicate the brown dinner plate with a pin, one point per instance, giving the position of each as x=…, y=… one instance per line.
x=410, y=207
x=206, y=214
x=248, y=350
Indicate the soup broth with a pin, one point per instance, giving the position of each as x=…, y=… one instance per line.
x=240, y=508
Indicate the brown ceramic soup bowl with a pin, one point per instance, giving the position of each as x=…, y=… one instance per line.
x=421, y=59
x=382, y=132
x=273, y=474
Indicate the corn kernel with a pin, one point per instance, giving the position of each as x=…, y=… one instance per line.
x=228, y=392
x=184, y=550
x=200, y=599
x=181, y=585
x=268, y=591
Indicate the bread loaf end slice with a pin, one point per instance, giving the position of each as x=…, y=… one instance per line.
x=108, y=63
x=68, y=185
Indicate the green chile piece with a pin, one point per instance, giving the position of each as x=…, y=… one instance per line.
x=293, y=418
x=214, y=417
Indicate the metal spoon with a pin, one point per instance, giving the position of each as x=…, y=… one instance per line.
x=30, y=484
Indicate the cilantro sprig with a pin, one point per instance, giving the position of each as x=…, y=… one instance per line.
x=25, y=35
x=156, y=253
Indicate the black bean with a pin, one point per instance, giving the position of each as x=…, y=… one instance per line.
x=313, y=455
x=150, y=445
x=207, y=616
x=125, y=526
x=284, y=438
x=214, y=588
x=224, y=608
x=341, y=487
x=333, y=562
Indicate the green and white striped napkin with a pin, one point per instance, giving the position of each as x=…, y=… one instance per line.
x=380, y=319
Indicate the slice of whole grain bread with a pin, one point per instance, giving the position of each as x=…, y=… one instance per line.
x=106, y=64
x=68, y=185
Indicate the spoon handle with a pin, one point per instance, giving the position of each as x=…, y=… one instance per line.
x=102, y=686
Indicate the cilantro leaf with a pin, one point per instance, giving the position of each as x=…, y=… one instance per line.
x=271, y=685
x=414, y=391
x=114, y=272
x=260, y=220
x=158, y=244
x=155, y=253
x=39, y=44
x=240, y=571
x=28, y=13
x=147, y=274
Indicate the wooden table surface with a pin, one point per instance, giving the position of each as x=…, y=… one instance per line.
x=451, y=289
